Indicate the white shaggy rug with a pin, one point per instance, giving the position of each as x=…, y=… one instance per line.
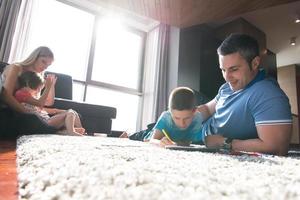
x=67, y=167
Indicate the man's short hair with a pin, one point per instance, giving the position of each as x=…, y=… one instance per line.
x=244, y=44
x=182, y=98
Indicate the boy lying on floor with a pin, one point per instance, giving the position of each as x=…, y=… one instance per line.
x=181, y=124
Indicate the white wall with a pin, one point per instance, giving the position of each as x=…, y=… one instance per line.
x=289, y=55
x=173, y=58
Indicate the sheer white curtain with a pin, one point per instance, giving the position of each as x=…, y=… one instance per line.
x=21, y=32
x=161, y=87
x=150, y=68
x=155, y=98
x=8, y=18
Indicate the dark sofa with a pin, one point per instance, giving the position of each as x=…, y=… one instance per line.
x=95, y=118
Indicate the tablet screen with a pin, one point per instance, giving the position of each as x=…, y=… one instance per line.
x=201, y=148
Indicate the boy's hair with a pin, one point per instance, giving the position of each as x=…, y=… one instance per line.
x=30, y=79
x=244, y=44
x=182, y=98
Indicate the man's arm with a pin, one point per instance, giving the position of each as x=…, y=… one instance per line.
x=207, y=109
x=272, y=139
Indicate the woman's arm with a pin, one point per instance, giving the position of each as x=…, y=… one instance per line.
x=11, y=78
x=51, y=94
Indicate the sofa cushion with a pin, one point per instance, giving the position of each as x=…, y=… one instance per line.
x=84, y=108
x=95, y=118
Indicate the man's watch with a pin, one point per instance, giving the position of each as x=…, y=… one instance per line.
x=227, y=144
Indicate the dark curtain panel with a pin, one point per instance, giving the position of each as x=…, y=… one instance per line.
x=9, y=10
x=162, y=63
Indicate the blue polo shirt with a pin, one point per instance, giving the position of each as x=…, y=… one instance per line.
x=191, y=133
x=238, y=113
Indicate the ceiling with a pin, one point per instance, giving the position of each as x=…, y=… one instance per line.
x=277, y=23
x=273, y=17
x=185, y=13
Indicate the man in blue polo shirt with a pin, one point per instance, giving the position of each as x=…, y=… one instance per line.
x=250, y=111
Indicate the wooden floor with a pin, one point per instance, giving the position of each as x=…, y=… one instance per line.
x=8, y=171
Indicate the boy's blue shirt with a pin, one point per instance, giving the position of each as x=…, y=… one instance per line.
x=192, y=133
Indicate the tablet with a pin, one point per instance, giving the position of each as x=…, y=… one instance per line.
x=201, y=148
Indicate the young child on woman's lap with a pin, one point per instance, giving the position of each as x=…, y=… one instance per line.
x=31, y=85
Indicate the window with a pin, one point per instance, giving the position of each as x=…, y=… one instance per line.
x=127, y=105
x=103, y=56
x=67, y=31
x=117, y=55
x=78, y=91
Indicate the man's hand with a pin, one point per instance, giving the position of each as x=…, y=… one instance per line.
x=214, y=141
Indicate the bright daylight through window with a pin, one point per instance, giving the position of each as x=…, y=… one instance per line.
x=117, y=59
x=107, y=65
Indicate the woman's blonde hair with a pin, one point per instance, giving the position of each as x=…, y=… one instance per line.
x=41, y=51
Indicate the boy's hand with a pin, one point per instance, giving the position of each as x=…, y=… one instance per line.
x=165, y=141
